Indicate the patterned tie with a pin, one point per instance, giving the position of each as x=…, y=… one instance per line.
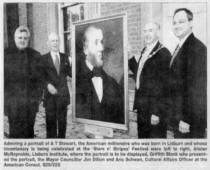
x=57, y=64
x=174, y=54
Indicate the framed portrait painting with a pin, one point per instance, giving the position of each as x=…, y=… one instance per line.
x=100, y=69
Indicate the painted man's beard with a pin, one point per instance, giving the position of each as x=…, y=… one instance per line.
x=97, y=60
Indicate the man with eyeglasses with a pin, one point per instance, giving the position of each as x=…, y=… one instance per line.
x=188, y=80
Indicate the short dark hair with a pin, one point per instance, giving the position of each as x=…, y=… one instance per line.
x=187, y=11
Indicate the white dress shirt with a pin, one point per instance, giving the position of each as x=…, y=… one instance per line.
x=145, y=56
x=97, y=82
x=53, y=55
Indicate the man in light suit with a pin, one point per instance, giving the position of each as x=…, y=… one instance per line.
x=151, y=92
x=56, y=68
x=22, y=85
x=188, y=80
x=98, y=96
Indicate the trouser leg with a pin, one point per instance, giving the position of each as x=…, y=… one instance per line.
x=143, y=127
x=32, y=110
x=158, y=131
x=51, y=123
x=61, y=117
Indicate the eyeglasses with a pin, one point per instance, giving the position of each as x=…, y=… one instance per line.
x=180, y=22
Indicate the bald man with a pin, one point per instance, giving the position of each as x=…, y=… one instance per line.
x=151, y=93
x=98, y=96
x=22, y=84
x=56, y=68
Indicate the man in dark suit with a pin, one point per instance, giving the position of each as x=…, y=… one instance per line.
x=151, y=95
x=22, y=85
x=188, y=80
x=56, y=67
x=98, y=96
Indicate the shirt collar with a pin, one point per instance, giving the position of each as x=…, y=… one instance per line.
x=54, y=53
x=89, y=65
x=181, y=42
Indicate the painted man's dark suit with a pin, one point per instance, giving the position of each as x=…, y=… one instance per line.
x=56, y=105
x=152, y=95
x=22, y=90
x=110, y=109
x=188, y=82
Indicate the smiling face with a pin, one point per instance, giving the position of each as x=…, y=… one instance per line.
x=181, y=24
x=93, y=46
x=21, y=40
x=53, y=42
x=150, y=33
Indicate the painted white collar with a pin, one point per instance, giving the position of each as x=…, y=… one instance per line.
x=89, y=65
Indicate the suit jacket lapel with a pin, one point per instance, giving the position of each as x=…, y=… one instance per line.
x=141, y=55
x=181, y=55
x=62, y=62
x=51, y=63
x=155, y=48
x=186, y=45
x=87, y=74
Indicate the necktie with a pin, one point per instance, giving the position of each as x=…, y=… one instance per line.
x=175, y=54
x=57, y=64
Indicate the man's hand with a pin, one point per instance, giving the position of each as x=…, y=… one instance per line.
x=184, y=127
x=155, y=120
x=135, y=110
x=70, y=60
x=52, y=90
x=169, y=134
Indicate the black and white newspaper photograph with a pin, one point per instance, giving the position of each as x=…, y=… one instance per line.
x=104, y=84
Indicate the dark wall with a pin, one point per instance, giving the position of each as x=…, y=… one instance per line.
x=12, y=21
